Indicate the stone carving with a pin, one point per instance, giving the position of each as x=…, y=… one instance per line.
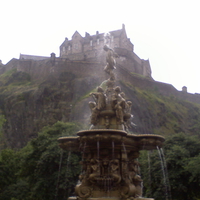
x=83, y=190
x=119, y=104
x=110, y=85
x=95, y=170
x=110, y=108
x=134, y=175
x=127, y=190
x=94, y=111
x=99, y=98
x=98, y=105
x=110, y=59
x=128, y=116
x=114, y=171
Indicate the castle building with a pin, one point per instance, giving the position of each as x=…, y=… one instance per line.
x=84, y=45
x=90, y=48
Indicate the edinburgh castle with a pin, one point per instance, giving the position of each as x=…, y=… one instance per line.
x=82, y=56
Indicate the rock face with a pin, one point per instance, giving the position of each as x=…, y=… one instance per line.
x=34, y=94
x=28, y=108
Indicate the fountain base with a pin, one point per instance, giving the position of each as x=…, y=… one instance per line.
x=110, y=169
x=110, y=198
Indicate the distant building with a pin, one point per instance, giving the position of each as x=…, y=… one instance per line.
x=90, y=47
x=80, y=45
x=184, y=89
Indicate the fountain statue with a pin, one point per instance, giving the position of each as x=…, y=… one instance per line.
x=110, y=167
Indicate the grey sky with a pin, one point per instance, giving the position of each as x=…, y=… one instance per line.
x=165, y=31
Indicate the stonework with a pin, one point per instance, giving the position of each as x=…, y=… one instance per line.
x=90, y=48
x=31, y=57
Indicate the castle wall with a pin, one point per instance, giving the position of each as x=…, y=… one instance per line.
x=124, y=42
x=87, y=47
x=41, y=70
x=26, y=57
x=136, y=58
x=76, y=43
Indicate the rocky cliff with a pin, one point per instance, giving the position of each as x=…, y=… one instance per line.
x=31, y=98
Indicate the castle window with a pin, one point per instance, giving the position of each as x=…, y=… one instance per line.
x=75, y=46
x=63, y=49
x=90, y=42
x=69, y=48
x=112, y=38
x=98, y=41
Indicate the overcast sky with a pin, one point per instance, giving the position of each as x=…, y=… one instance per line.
x=167, y=32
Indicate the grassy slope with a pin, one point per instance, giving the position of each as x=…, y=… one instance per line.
x=164, y=115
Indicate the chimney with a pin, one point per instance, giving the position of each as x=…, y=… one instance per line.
x=87, y=34
x=53, y=55
x=97, y=32
x=184, y=89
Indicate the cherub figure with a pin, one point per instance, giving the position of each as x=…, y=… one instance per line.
x=94, y=165
x=98, y=105
x=128, y=116
x=134, y=177
x=94, y=111
x=114, y=169
x=119, y=104
x=100, y=98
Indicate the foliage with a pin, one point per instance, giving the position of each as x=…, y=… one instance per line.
x=41, y=170
x=2, y=138
x=161, y=114
x=35, y=173
x=139, y=75
x=183, y=159
x=15, y=83
x=8, y=73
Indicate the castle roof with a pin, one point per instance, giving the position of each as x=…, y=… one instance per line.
x=32, y=57
x=98, y=35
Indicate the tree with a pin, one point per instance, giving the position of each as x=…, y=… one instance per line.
x=2, y=138
x=44, y=170
x=183, y=159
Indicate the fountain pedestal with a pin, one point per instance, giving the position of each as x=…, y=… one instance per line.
x=110, y=198
x=109, y=162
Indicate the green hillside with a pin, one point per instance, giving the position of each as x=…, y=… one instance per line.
x=34, y=114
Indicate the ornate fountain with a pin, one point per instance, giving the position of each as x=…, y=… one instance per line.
x=110, y=168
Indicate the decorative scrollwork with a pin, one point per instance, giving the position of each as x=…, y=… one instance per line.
x=83, y=191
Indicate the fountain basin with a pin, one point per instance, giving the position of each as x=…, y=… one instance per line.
x=107, y=136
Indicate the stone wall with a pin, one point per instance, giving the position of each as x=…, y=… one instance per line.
x=41, y=70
